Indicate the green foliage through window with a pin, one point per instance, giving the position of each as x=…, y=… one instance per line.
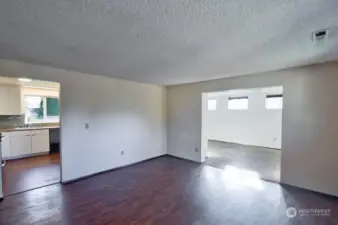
x=41, y=109
x=52, y=106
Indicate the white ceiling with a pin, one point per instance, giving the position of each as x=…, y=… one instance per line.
x=167, y=41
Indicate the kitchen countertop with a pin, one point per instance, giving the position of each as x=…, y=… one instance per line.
x=12, y=129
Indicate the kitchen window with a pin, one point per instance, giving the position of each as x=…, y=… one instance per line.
x=238, y=103
x=41, y=109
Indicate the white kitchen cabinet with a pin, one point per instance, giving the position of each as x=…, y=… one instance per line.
x=3, y=100
x=10, y=100
x=14, y=101
x=6, y=147
x=40, y=141
x=21, y=143
x=25, y=143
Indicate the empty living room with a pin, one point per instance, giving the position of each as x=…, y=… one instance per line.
x=185, y=112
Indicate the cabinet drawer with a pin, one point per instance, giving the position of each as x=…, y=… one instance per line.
x=37, y=132
x=20, y=133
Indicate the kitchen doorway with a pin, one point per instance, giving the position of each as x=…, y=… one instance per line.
x=30, y=134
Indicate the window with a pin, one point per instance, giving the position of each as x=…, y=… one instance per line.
x=212, y=104
x=274, y=102
x=41, y=109
x=238, y=103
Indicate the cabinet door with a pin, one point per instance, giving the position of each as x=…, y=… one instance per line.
x=21, y=144
x=6, y=147
x=14, y=101
x=3, y=100
x=40, y=142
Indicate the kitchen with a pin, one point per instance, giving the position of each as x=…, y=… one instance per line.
x=29, y=129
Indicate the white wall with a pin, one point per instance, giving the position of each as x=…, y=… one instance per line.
x=123, y=116
x=255, y=126
x=309, y=127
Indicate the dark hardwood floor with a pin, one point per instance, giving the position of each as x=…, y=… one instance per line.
x=165, y=191
x=25, y=174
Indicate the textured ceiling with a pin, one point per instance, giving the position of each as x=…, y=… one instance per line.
x=167, y=41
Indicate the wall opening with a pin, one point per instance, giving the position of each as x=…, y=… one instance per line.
x=243, y=129
x=30, y=134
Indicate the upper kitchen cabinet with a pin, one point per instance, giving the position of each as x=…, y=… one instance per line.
x=3, y=100
x=10, y=100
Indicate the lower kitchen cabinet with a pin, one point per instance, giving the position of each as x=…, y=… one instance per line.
x=5, y=147
x=24, y=143
x=40, y=142
x=20, y=145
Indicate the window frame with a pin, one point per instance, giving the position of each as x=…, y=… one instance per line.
x=45, y=117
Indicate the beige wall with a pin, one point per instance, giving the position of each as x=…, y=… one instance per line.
x=309, y=127
x=122, y=116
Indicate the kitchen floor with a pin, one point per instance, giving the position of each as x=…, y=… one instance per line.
x=247, y=160
x=29, y=173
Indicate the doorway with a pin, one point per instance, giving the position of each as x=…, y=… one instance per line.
x=242, y=129
x=30, y=134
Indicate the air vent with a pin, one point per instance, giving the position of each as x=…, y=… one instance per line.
x=320, y=35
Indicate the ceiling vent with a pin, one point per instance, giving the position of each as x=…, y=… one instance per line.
x=320, y=36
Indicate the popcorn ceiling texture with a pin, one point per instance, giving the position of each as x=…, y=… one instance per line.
x=167, y=41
